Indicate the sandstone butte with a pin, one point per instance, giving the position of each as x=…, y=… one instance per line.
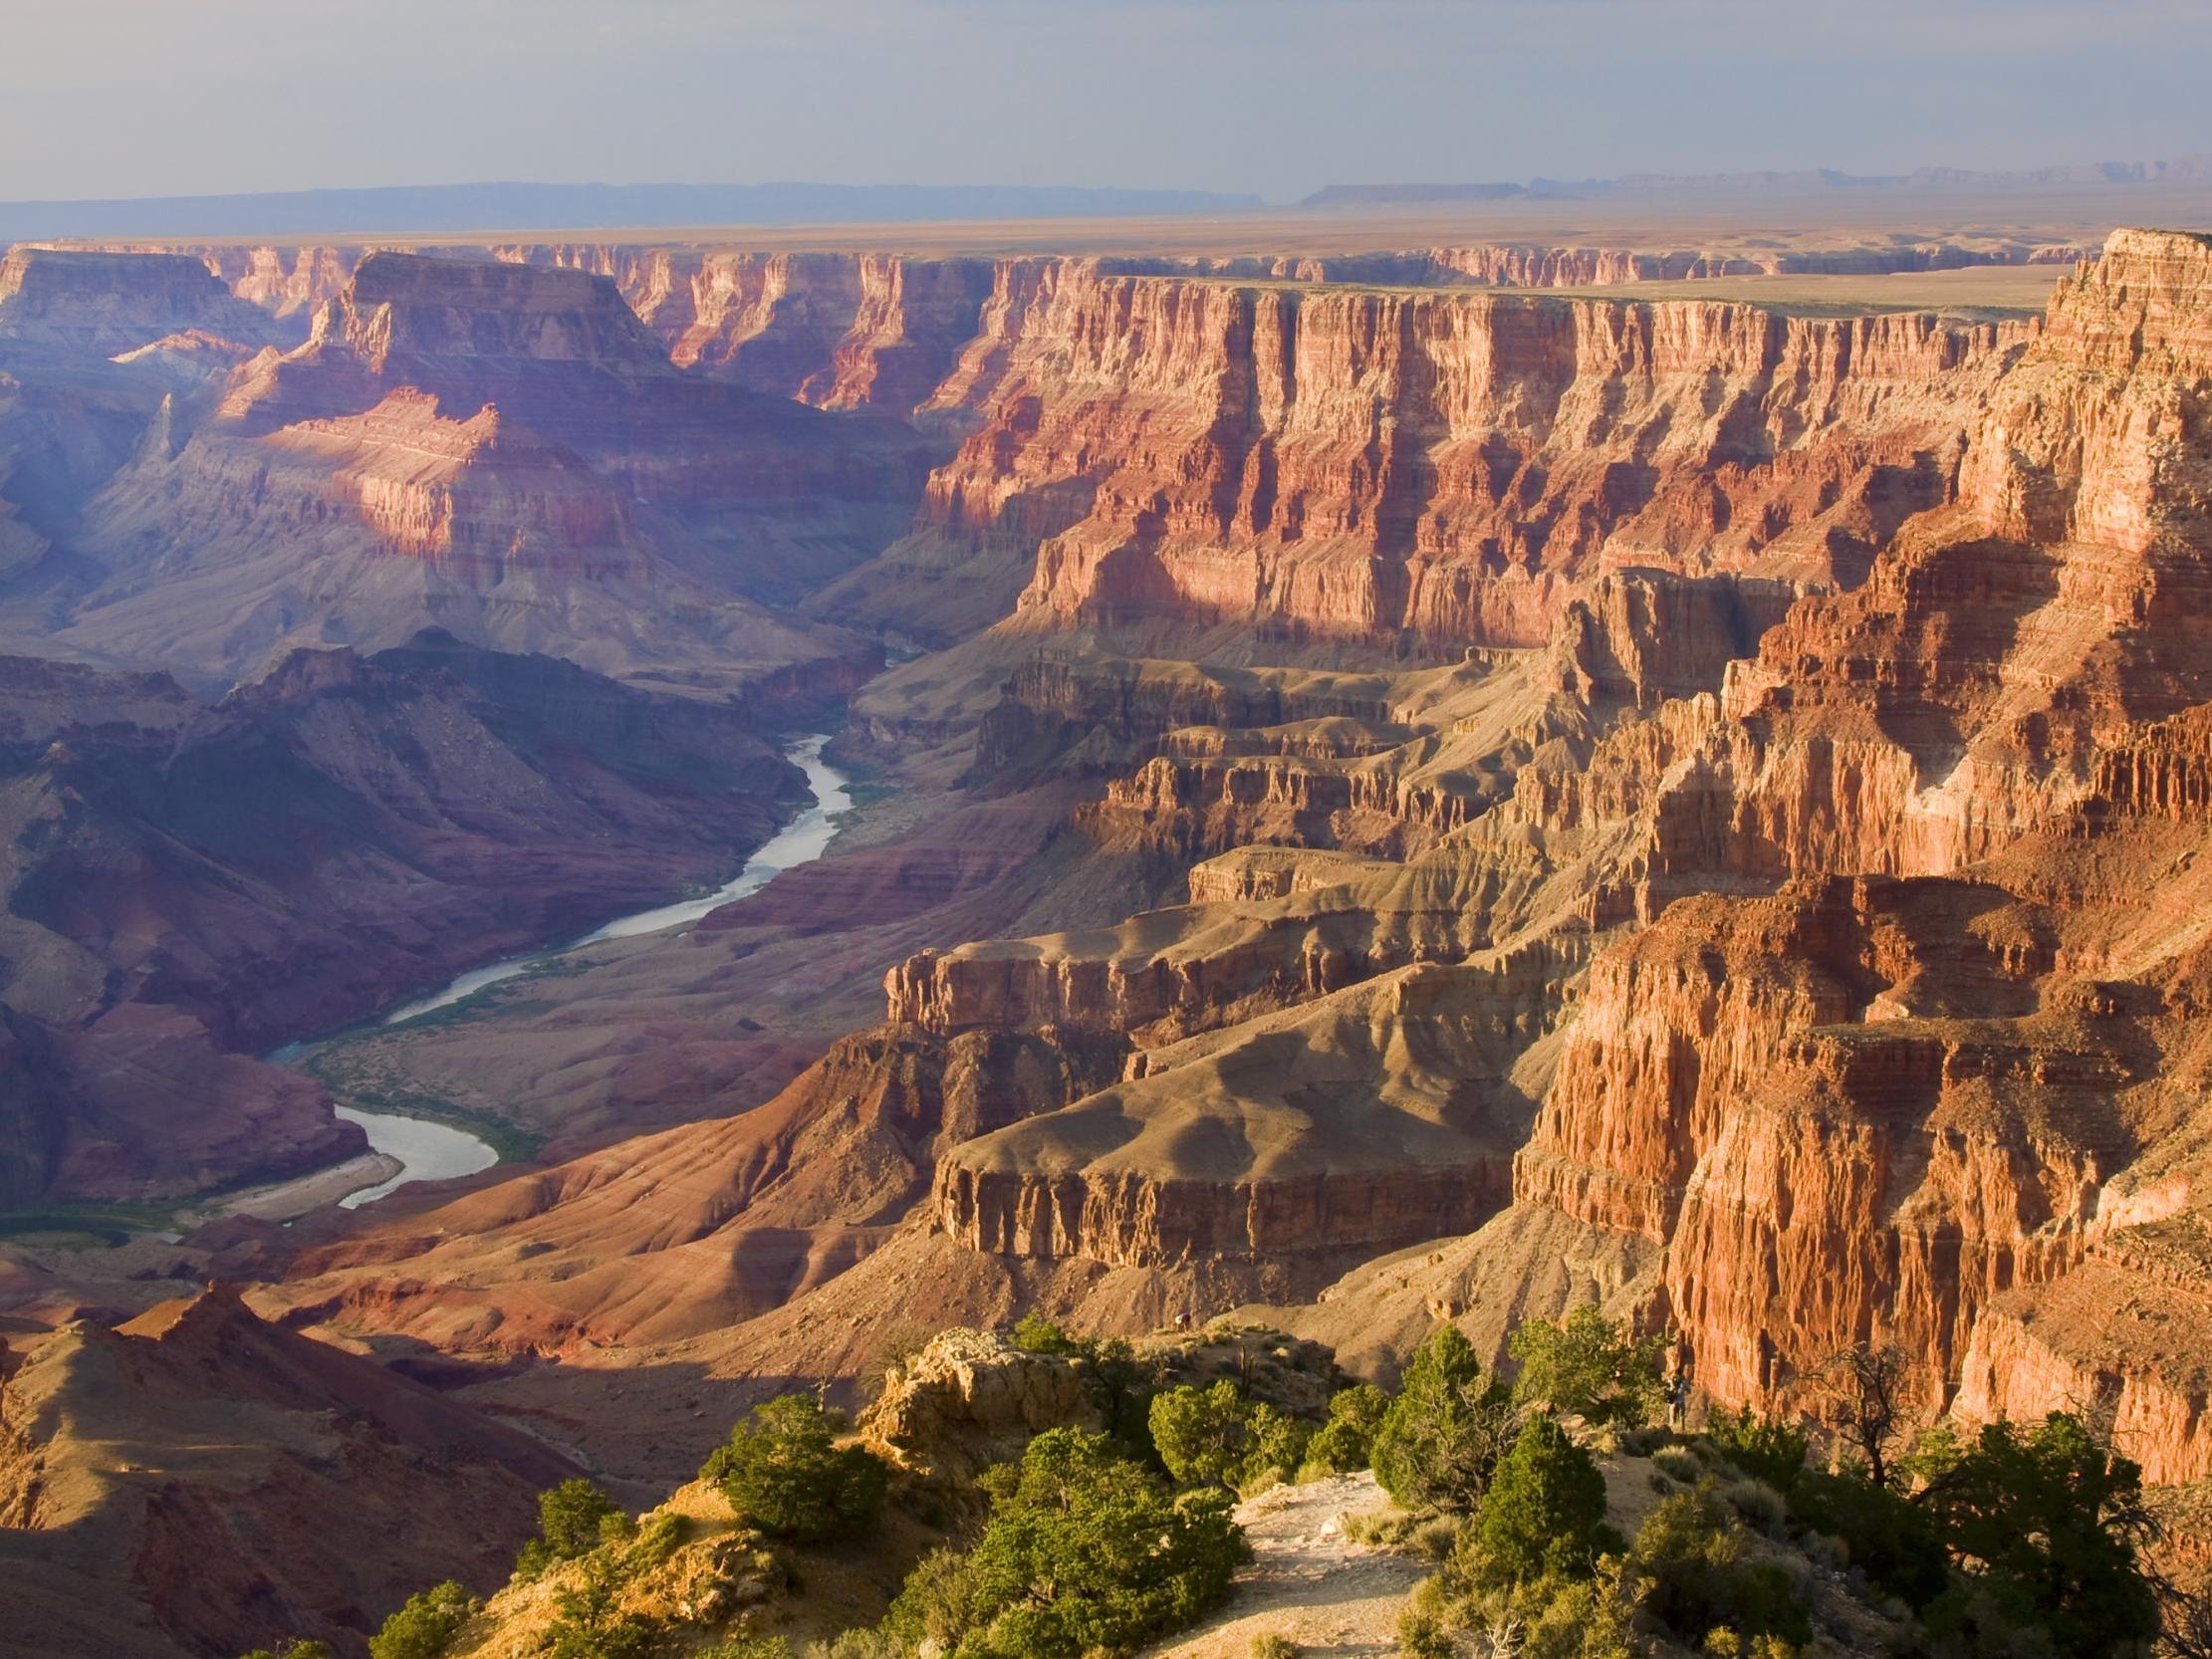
x=1528, y=798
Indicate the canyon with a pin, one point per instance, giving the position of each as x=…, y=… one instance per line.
x=1385, y=796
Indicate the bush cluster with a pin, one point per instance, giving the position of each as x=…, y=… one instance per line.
x=2021, y=1542
x=425, y=1627
x=1085, y=1550
x=1436, y=1445
x=574, y=1518
x=1345, y=1443
x=1592, y=1367
x=783, y=1471
x=1214, y=1436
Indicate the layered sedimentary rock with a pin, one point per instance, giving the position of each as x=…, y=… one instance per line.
x=1934, y=1107
x=718, y=1221
x=837, y=331
x=1290, y=1147
x=501, y=450
x=1363, y=464
x=185, y=882
x=101, y=304
x=1788, y=929
x=1890, y=1043
x=92, y=346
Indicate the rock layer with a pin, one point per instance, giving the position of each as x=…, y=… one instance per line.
x=501, y=450
x=185, y=884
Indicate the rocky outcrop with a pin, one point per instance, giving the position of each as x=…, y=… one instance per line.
x=970, y=1399
x=717, y=1221
x=101, y=304
x=1273, y=872
x=837, y=331
x=1283, y=1150
x=1198, y=807
x=142, y=1521
x=1075, y=713
x=185, y=884
x=2111, y=1337
x=1932, y=1105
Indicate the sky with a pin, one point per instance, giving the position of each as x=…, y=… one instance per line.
x=136, y=98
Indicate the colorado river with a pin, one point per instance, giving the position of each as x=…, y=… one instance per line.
x=430, y=1151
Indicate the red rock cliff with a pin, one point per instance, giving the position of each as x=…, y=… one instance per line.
x=1360, y=463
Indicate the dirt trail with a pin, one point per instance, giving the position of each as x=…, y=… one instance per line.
x=1306, y=1582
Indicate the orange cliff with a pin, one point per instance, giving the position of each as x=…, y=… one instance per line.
x=1235, y=439
x=1890, y=1030
x=1932, y=1110
x=1365, y=464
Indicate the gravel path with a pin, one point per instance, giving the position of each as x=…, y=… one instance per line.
x=1306, y=1582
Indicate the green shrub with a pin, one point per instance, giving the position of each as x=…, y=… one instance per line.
x=1545, y=1508
x=1690, y=1555
x=590, y=1624
x=1215, y=1437
x=1203, y=1435
x=856, y=1644
x=1084, y=1550
x=659, y=1539
x=764, y=1647
x=1423, y=1635
x=1678, y=1462
x=1591, y=1367
x=1766, y=1449
x=1382, y=1528
x=573, y=1519
x=1726, y=1644
x=426, y=1627
x=1892, y=1540
x=936, y=1604
x=783, y=1471
x=1037, y=1335
x=1548, y=1617
x=1758, y=1506
x=296, y=1650
x=1445, y=1432
x=1279, y=1443
x=2047, y=1518
x=1273, y=1645
x=1435, y=1538
x=1345, y=1442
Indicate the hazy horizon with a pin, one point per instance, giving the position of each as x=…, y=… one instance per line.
x=1278, y=98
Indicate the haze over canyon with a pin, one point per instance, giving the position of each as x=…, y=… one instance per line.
x=1437, y=757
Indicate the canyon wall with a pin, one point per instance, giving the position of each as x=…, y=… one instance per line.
x=1235, y=438
x=192, y=884
x=1934, y=1106
x=1440, y=466
x=503, y=452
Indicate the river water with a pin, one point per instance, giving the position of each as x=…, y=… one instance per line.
x=429, y=1151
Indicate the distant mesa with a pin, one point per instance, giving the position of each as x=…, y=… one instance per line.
x=434, y=208
x=2187, y=169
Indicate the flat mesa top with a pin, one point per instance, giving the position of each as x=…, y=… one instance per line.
x=1975, y=290
x=1769, y=222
